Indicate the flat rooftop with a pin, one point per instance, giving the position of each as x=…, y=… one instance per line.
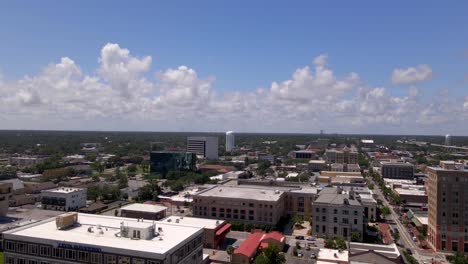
x=335, y=198
x=243, y=193
x=64, y=190
x=172, y=235
x=193, y=221
x=401, y=191
x=147, y=208
x=332, y=255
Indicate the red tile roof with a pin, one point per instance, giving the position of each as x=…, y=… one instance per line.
x=250, y=245
x=274, y=235
x=256, y=240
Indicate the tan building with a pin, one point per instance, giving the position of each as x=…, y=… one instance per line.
x=337, y=214
x=5, y=194
x=447, y=187
x=254, y=205
x=345, y=155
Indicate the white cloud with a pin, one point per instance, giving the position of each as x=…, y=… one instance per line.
x=411, y=75
x=120, y=97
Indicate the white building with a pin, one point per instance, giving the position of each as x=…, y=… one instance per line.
x=84, y=238
x=230, y=141
x=64, y=199
x=448, y=140
x=207, y=147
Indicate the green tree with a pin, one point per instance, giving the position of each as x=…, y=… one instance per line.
x=297, y=220
x=385, y=211
x=355, y=237
x=340, y=243
x=270, y=255
x=329, y=243
x=230, y=251
x=458, y=258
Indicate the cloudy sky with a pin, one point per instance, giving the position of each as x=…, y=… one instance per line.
x=394, y=68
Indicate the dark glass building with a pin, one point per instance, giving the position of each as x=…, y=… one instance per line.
x=164, y=162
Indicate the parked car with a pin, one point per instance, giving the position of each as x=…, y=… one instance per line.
x=310, y=239
x=300, y=237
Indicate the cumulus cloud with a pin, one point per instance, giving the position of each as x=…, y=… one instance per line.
x=121, y=96
x=411, y=75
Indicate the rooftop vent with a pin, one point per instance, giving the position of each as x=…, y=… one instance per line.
x=66, y=220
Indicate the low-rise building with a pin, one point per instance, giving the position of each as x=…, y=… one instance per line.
x=246, y=252
x=144, y=211
x=214, y=231
x=337, y=214
x=344, y=180
x=317, y=165
x=366, y=253
x=64, y=199
x=412, y=196
x=304, y=154
x=398, y=170
x=253, y=205
x=83, y=238
x=24, y=161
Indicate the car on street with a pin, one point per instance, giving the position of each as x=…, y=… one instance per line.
x=310, y=239
x=300, y=237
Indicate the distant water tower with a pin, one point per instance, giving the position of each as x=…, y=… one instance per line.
x=230, y=145
x=448, y=140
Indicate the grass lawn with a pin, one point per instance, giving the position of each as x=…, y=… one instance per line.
x=1, y=258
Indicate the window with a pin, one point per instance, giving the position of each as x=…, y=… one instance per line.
x=124, y=260
x=355, y=221
x=70, y=254
x=33, y=249
x=345, y=221
x=57, y=252
x=10, y=246
x=335, y=211
x=83, y=256
x=21, y=247
x=335, y=220
x=95, y=258
x=324, y=218
x=138, y=261
x=110, y=259
x=9, y=260
x=45, y=251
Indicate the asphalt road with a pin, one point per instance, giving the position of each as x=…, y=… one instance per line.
x=420, y=255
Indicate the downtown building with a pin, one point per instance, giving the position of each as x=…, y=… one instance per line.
x=162, y=162
x=337, y=214
x=83, y=238
x=447, y=188
x=206, y=147
x=254, y=204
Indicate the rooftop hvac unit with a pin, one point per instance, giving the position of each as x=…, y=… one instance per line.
x=66, y=220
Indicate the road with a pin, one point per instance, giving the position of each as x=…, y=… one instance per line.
x=420, y=255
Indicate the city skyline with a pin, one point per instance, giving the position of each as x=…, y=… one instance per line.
x=209, y=67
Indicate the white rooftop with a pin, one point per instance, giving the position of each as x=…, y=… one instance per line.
x=333, y=255
x=64, y=190
x=150, y=208
x=242, y=192
x=172, y=235
x=401, y=191
x=193, y=221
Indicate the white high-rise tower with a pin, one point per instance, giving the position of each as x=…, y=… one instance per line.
x=230, y=145
x=448, y=140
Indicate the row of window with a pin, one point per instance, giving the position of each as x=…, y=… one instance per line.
x=335, y=211
x=70, y=254
x=335, y=220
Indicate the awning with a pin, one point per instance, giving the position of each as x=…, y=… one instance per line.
x=223, y=229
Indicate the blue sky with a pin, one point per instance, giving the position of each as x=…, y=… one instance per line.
x=246, y=45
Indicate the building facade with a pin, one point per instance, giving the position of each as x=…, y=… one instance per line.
x=336, y=214
x=97, y=239
x=447, y=188
x=163, y=162
x=253, y=205
x=345, y=155
x=5, y=195
x=398, y=170
x=230, y=141
x=207, y=147
x=64, y=199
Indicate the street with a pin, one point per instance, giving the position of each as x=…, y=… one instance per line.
x=420, y=255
